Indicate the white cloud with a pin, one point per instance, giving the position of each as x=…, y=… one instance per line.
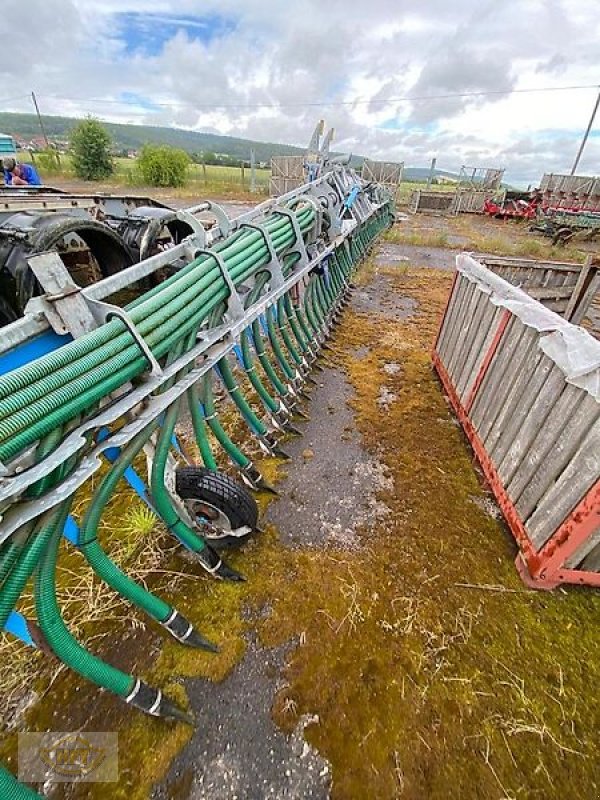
x=362, y=58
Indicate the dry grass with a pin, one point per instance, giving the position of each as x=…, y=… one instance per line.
x=137, y=544
x=479, y=235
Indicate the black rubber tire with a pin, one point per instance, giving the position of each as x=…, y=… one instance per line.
x=223, y=492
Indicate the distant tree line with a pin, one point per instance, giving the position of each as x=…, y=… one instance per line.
x=218, y=159
x=129, y=138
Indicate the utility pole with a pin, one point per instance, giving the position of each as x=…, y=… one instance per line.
x=431, y=172
x=39, y=116
x=252, y=172
x=587, y=133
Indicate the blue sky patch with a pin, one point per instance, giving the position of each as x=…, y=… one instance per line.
x=391, y=124
x=400, y=124
x=134, y=99
x=148, y=33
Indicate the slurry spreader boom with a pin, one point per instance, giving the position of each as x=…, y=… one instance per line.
x=86, y=383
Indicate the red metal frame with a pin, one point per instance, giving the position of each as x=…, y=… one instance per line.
x=538, y=569
x=506, y=315
x=445, y=311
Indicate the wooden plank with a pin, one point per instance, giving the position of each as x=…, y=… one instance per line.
x=462, y=287
x=550, y=292
x=548, y=436
x=530, y=263
x=449, y=316
x=480, y=345
x=590, y=296
x=473, y=297
x=536, y=403
x=588, y=554
x=571, y=486
x=515, y=337
x=523, y=361
x=523, y=394
x=475, y=324
x=554, y=447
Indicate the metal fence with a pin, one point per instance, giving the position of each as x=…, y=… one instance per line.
x=581, y=192
x=525, y=385
x=457, y=201
x=385, y=173
x=425, y=200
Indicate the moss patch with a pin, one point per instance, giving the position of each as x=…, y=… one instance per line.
x=433, y=671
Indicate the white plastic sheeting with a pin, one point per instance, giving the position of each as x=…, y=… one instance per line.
x=573, y=349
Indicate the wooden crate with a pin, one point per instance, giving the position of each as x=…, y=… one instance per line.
x=572, y=290
x=533, y=424
x=287, y=173
x=424, y=200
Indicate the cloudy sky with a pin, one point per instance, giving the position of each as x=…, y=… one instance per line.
x=379, y=71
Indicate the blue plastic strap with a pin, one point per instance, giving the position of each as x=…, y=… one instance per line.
x=17, y=625
x=349, y=201
x=71, y=531
x=238, y=354
x=31, y=350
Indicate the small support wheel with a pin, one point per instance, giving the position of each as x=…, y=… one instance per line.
x=223, y=508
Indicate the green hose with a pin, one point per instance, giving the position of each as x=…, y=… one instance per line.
x=199, y=426
x=88, y=535
x=11, y=789
x=36, y=398
x=249, y=367
x=56, y=633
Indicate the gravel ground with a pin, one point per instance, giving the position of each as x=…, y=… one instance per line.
x=237, y=753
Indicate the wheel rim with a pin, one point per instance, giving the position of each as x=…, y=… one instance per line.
x=207, y=512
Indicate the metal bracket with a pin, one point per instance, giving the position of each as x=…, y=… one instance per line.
x=299, y=245
x=318, y=227
x=274, y=265
x=104, y=312
x=68, y=310
x=235, y=307
x=199, y=231
x=223, y=221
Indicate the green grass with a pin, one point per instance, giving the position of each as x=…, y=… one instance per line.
x=214, y=178
x=482, y=243
x=406, y=188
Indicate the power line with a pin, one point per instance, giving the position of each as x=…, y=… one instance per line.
x=15, y=97
x=150, y=104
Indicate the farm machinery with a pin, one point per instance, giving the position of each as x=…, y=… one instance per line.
x=559, y=224
x=95, y=376
x=564, y=225
x=95, y=235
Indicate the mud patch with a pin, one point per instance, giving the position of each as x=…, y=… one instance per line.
x=415, y=256
x=236, y=750
x=388, y=253
x=361, y=352
x=331, y=494
x=382, y=298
